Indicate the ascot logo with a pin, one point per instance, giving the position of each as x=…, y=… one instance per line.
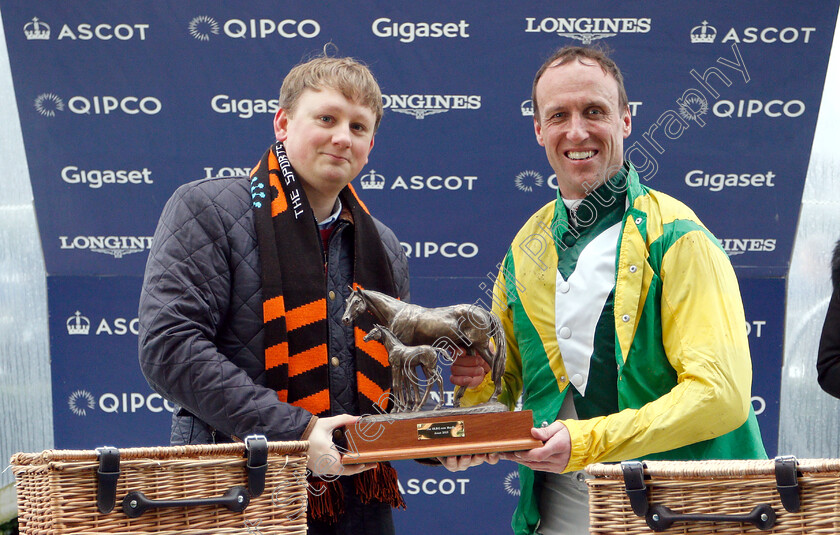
x=80, y=402
x=511, y=483
x=372, y=181
x=422, y=105
x=736, y=246
x=587, y=29
x=48, y=103
x=376, y=181
x=527, y=107
x=202, y=27
x=36, y=30
x=116, y=246
x=78, y=324
x=703, y=33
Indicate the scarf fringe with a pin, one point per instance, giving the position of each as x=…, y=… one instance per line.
x=380, y=485
x=327, y=505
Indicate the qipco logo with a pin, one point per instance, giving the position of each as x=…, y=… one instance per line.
x=448, y=249
x=106, y=105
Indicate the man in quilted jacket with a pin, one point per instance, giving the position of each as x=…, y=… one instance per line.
x=245, y=286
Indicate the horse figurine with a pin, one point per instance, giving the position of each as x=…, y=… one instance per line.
x=466, y=326
x=404, y=361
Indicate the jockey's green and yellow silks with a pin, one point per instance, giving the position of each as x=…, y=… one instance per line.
x=681, y=351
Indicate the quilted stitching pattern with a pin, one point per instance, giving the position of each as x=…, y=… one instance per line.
x=201, y=338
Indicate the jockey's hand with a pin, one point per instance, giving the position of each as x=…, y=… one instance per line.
x=552, y=456
x=468, y=369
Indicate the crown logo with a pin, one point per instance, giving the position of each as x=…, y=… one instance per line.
x=78, y=324
x=372, y=181
x=703, y=33
x=527, y=108
x=36, y=29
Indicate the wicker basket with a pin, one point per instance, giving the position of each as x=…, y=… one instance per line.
x=57, y=491
x=811, y=505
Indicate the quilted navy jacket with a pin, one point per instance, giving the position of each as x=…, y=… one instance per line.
x=201, y=328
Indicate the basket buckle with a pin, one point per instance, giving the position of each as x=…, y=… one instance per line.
x=634, y=486
x=256, y=449
x=106, y=478
x=786, y=482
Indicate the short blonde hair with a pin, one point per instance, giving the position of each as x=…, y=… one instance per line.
x=350, y=77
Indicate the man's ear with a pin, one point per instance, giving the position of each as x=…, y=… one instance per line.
x=627, y=127
x=281, y=125
x=538, y=132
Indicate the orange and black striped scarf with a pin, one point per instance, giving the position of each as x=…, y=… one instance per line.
x=295, y=314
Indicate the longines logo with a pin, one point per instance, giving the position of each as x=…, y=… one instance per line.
x=375, y=181
x=421, y=106
x=228, y=172
x=587, y=29
x=38, y=30
x=734, y=246
x=116, y=246
x=511, y=483
x=80, y=402
x=204, y=27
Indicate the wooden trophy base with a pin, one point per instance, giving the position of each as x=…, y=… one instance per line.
x=440, y=433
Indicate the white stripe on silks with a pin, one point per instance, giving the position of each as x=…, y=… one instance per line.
x=578, y=308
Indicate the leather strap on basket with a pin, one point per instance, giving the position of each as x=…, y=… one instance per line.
x=106, y=478
x=787, y=484
x=256, y=448
x=634, y=485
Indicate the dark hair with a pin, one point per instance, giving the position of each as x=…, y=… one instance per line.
x=581, y=54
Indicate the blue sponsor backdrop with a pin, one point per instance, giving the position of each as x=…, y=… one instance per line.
x=121, y=102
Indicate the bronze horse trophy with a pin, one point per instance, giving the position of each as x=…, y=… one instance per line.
x=414, y=335
x=404, y=361
x=449, y=328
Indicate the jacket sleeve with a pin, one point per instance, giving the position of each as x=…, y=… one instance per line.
x=704, y=336
x=183, y=304
x=828, y=355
